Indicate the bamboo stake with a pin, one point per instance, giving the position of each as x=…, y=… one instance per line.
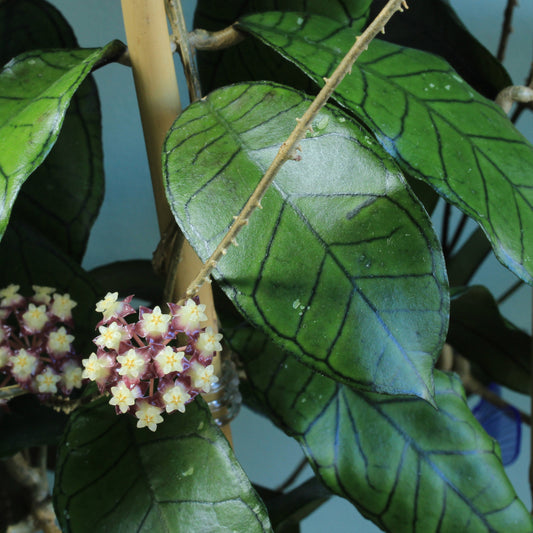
x=159, y=105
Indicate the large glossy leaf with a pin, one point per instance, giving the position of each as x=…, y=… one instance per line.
x=405, y=465
x=112, y=476
x=341, y=267
x=35, y=91
x=479, y=333
x=433, y=26
x=72, y=174
x=251, y=60
x=430, y=120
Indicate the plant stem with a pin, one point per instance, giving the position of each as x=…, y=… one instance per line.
x=180, y=37
x=293, y=476
x=506, y=28
x=520, y=107
x=515, y=93
x=215, y=40
x=445, y=227
x=288, y=148
x=159, y=104
x=458, y=232
x=510, y=291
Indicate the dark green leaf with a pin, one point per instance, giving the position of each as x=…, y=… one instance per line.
x=340, y=236
x=72, y=175
x=251, y=60
x=28, y=258
x=135, y=276
x=479, y=333
x=404, y=464
x=35, y=91
x=433, y=26
x=112, y=476
x=431, y=121
x=29, y=423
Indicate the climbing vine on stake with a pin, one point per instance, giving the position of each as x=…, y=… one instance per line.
x=339, y=279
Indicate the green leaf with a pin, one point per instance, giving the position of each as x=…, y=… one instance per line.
x=135, y=276
x=112, y=476
x=340, y=236
x=72, y=175
x=29, y=423
x=251, y=60
x=479, y=333
x=35, y=91
x=433, y=26
x=28, y=258
x=402, y=463
x=430, y=120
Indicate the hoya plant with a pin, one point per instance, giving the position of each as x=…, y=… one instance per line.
x=343, y=170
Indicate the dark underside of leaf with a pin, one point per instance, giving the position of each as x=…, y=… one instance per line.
x=430, y=121
x=113, y=477
x=433, y=26
x=251, y=60
x=479, y=333
x=340, y=235
x=405, y=465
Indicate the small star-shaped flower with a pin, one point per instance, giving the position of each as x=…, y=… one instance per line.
x=62, y=306
x=111, y=336
x=149, y=415
x=175, y=398
x=96, y=368
x=23, y=364
x=154, y=324
x=59, y=342
x=132, y=365
x=47, y=381
x=203, y=377
x=123, y=396
x=188, y=317
x=71, y=374
x=42, y=295
x=10, y=296
x=209, y=342
x=168, y=360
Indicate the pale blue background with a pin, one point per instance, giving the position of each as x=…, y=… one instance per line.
x=127, y=228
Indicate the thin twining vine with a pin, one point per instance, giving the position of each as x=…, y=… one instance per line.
x=289, y=148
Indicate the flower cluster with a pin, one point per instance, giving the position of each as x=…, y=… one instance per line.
x=136, y=362
x=35, y=341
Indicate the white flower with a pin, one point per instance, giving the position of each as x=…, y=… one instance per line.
x=131, y=364
x=71, y=374
x=203, y=377
x=23, y=364
x=169, y=361
x=208, y=342
x=47, y=381
x=155, y=324
x=10, y=296
x=175, y=398
x=42, y=294
x=96, y=368
x=191, y=315
x=111, y=336
x=59, y=341
x=35, y=317
x=109, y=306
x=123, y=396
x=149, y=415
x=62, y=306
